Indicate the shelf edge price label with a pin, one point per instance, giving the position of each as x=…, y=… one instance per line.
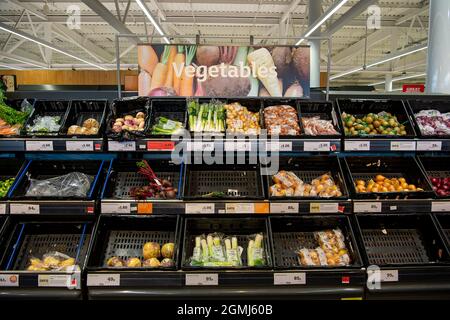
x=240, y=146
x=315, y=207
x=289, y=278
x=403, y=146
x=79, y=145
x=103, y=280
x=357, y=145
x=56, y=280
x=200, y=146
x=121, y=145
x=123, y=208
x=389, y=275
x=19, y=208
x=160, y=145
x=192, y=208
x=316, y=146
x=239, y=207
x=9, y=280
x=202, y=279
x=429, y=145
x=437, y=206
x=279, y=146
x=284, y=207
x=367, y=207
x=2, y=208
x=31, y=145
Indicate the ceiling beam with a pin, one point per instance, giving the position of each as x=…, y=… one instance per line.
x=16, y=57
x=354, y=11
x=30, y=8
x=284, y=17
x=411, y=13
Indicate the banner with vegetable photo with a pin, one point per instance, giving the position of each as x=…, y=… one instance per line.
x=223, y=71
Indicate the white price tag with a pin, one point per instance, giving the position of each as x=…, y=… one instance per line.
x=283, y=207
x=324, y=207
x=56, y=280
x=2, y=208
x=429, y=145
x=240, y=208
x=202, y=279
x=367, y=207
x=9, y=280
x=39, y=145
x=316, y=146
x=80, y=145
x=279, y=146
x=200, y=208
x=122, y=208
x=24, y=208
x=199, y=146
x=357, y=145
x=403, y=146
x=238, y=146
x=122, y=146
x=103, y=280
x=291, y=278
x=389, y=276
x=440, y=206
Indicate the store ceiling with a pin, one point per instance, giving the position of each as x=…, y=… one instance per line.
x=404, y=23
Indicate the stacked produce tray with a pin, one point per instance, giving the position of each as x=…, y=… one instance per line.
x=9, y=171
x=24, y=240
x=11, y=141
x=124, y=237
x=367, y=168
x=377, y=142
x=431, y=140
x=308, y=169
x=438, y=173
x=32, y=196
x=116, y=197
x=406, y=255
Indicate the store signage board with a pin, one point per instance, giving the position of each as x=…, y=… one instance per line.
x=366, y=207
x=121, y=146
x=19, y=208
x=281, y=146
x=121, y=208
x=207, y=208
x=9, y=280
x=403, y=146
x=31, y=145
x=289, y=278
x=357, y=145
x=103, y=280
x=413, y=88
x=443, y=206
x=284, y=207
x=2, y=208
x=316, y=146
x=429, y=145
x=332, y=207
x=202, y=279
x=79, y=145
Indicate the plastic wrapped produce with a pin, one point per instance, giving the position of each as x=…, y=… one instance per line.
x=432, y=122
x=52, y=261
x=45, y=124
x=281, y=120
x=314, y=126
x=74, y=184
x=255, y=251
x=241, y=120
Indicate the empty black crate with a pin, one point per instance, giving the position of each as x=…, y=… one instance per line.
x=242, y=228
x=279, y=102
x=123, y=177
x=290, y=234
x=436, y=167
x=172, y=109
x=443, y=221
x=80, y=111
x=323, y=110
x=124, y=237
x=359, y=108
x=17, y=104
x=10, y=168
x=46, y=169
x=123, y=107
x=235, y=181
x=443, y=106
x=32, y=239
x=43, y=108
x=308, y=169
x=408, y=239
x=366, y=168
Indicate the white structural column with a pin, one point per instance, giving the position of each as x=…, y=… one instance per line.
x=388, y=83
x=438, y=66
x=315, y=11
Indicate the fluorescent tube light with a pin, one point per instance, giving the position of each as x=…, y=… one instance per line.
x=397, y=56
x=346, y=73
x=10, y=67
x=400, y=78
x=144, y=8
x=23, y=61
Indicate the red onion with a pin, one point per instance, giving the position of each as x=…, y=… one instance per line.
x=162, y=92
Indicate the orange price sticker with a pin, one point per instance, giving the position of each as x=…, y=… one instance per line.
x=145, y=208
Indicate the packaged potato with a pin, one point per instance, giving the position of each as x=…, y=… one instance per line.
x=281, y=120
x=241, y=120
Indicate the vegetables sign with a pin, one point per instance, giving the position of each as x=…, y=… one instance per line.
x=223, y=71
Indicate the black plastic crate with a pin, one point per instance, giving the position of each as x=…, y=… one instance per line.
x=45, y=169
x=278, y=102
x=29, y=239
x=43, y=108
x=443, y=222
x=10, y=168
x=125, y=236
x=403, y=240
x=362, y=107
x=253, y=105
x=292, y=233
x=236, y=181
x=415, y=106
x=307, y=169
x=436, y=167
x=17, y=105
x=128, y=106
x=81, y=110
x=173, y=109
x=366, y=168
x=123, y=177
x=240, y=227
x=324, y=110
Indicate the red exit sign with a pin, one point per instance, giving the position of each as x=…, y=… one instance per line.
x=414, y=88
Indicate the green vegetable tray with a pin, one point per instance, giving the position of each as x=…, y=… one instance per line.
x=172, y=109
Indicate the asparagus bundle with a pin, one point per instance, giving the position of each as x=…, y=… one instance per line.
x=206, y=117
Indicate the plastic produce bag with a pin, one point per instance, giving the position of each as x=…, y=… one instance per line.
x=53, y=261
x=216, y=251
x=74, y=184
x=233, y=251
x=45, y=124
x=255, y=251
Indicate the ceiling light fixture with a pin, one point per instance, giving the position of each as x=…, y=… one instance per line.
x=345, y=73
x=332, y=10
x=400, y=78
x=31, y=38
x=146, y=11
x=23, y=61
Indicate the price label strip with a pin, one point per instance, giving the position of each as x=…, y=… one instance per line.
x=122, y=146
x=2, y=208
x=282, y=146
x=240, y=208
x=367, y=207
x=383, y=275
x=24, y=208
x=9, y=280
x=291, y=278
x=241, y=146
x=284, y=207
x=200, y=146
x=31, y=145
x=59, y=280
x=206, y=208
x=357, y=145
x=203, y=279
x=429, y=145
x=324, y=207
x=80, y=145
x=103, y=280
x=121, y=208
x=403, y=146
x=316, y=146
x=440, y=206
